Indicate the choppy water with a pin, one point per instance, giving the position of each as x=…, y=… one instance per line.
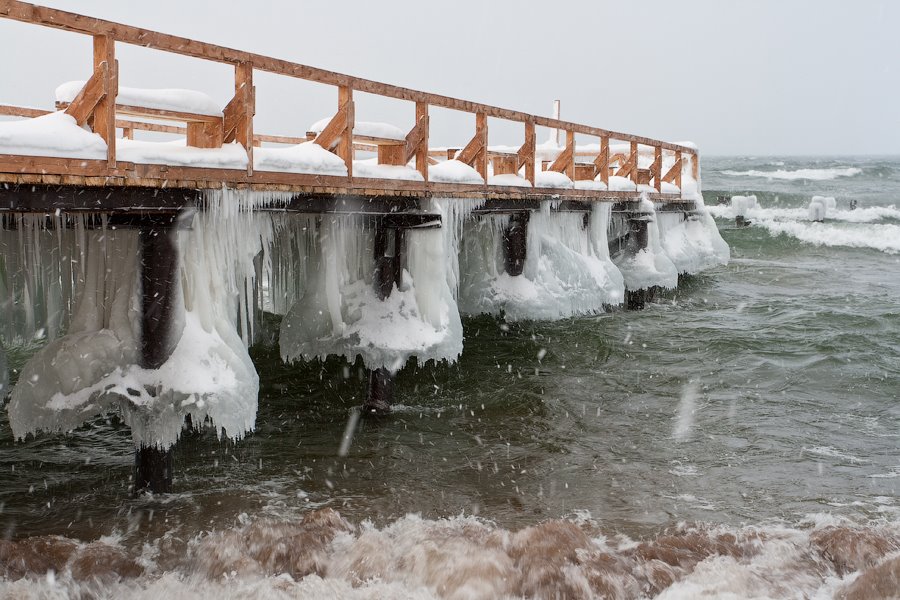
x=741, y=436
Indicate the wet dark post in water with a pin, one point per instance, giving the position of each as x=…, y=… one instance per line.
x=515, y=242
x=638, y=238
x=159, y=272
x=389, y=250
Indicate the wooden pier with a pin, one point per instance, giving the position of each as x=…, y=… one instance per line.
x=96, y=106
x=148, y=196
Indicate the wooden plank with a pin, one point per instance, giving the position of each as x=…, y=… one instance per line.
x=392, y=155
x=7, y=110
x=205, y=135
x=505, y=165
x=329, y=137
x=166, y=115
x=421, y=152
x=22, y=11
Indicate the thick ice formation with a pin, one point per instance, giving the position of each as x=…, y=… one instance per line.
x=188, y=101
x=567, y=270
x=55, y=134
x=651, y=266
x=692, y=242
x=4, y=374
x=336, y=311
x=819, y=207
x=742, y=204
x=94, y=367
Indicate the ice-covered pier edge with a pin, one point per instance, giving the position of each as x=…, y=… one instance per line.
x=160, y=343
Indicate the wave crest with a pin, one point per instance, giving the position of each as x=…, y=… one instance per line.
x=810, y=174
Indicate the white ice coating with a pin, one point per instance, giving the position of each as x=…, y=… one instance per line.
x=4, y=374
x=651, y=266
x=692, y=242
x=742, y=204
x=819, y=207
x=93, y=368
x=335, y=310
x=567, y=270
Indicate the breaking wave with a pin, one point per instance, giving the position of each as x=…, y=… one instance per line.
x=322, y=555
x=861, y=228
x=811, y=174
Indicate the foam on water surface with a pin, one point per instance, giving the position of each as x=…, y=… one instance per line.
x=322, y=555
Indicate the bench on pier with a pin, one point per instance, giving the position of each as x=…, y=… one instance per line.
x=204, y=120
x=390, y=143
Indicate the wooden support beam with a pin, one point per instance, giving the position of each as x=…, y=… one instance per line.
x=475, y=152
x=633, y=159
x=695, y=166
x=331, y=135
x=673, y=175
x=515, y=243
x=85, y=103
x=526, y=153
x=565, y=162
x=104, y=122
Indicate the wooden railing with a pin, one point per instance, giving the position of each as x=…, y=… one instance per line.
x=96, y=106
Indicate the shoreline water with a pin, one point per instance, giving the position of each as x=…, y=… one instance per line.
x=756, y=402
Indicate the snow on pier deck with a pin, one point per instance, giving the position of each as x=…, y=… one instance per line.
x=221, y=147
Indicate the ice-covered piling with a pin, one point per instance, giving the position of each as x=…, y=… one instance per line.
x=161, y=327
x=644, y=264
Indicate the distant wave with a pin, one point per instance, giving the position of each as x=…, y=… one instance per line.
x=811, y=174
x=885, y=238
x=869, y=214
x=847, y=228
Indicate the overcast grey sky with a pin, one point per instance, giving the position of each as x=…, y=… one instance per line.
x=761, y=77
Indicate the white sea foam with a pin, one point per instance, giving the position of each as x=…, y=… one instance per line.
x=321, y=555
x=810, y=174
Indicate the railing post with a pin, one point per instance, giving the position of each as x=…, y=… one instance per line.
x=678, y=170
x=528, y=149
x=243, y=87
x=602, y=161
x=481, y=130
x=104, y=119
x=633, y=159
x=345, y=146
x=422, y=150
x=656, y=173
x=695, y=166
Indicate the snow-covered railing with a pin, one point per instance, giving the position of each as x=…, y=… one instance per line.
x=615, y=158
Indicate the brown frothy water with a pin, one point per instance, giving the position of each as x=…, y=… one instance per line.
x=321, y=554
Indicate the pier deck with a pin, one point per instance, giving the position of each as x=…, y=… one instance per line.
x=96, y=106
